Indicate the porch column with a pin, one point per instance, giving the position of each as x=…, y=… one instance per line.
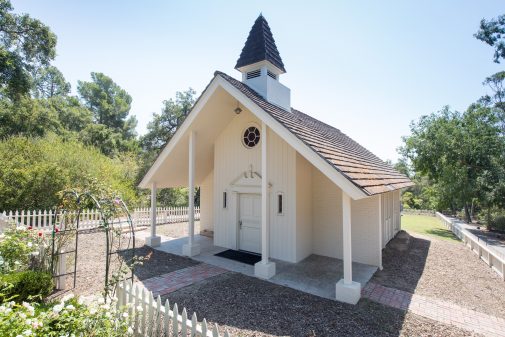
x=191, y=248
x=264, y=269
x=347, y=290
x=153, y=240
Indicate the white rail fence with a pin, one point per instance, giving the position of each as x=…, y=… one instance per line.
x=492, y=258
x=152, y=318
x=90, y=218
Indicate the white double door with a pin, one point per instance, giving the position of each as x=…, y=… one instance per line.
x=250, y=222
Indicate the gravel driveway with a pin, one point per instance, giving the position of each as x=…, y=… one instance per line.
x=443, y=270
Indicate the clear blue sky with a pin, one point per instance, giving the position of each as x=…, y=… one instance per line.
x=365, y=67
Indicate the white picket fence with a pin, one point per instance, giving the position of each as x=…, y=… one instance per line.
x=492, y=258
x=90, y=218
x=151, y=318
x=142, y=216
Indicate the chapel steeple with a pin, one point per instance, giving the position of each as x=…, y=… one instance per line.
x=260, y=46
x=261, y=65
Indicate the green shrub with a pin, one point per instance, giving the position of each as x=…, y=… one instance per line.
x=34, y=170
x=499, y=222
x=89, y=317
x=27, y=285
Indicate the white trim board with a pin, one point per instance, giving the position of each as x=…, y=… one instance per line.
x=309, y=154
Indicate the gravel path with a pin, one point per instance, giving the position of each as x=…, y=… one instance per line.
x=247, y=306
x=91, y=263
x=443, y=270
x=176, y=230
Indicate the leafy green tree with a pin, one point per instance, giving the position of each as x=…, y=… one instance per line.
x=492, y=32
x=457, y=152
x=25, y=44
x=34, y=170
x=163, y=126
x=108, y=141
x=49, y=82
x=109, y=103
x=159, y=131
x=26, y=117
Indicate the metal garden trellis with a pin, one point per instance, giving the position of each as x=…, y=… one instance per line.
x=81, y=201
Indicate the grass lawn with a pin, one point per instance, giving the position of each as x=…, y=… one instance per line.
x=426, y=225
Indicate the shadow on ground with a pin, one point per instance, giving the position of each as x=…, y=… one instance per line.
x=443, y=233
x=403, y=261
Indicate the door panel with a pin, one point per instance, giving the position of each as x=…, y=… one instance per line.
x=250, y=222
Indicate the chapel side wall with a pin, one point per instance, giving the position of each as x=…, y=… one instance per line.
x=326, y=216
x=303, y=208
x=207, y=203
x=366, y=231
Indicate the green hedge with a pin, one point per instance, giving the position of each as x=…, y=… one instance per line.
x=26, y=286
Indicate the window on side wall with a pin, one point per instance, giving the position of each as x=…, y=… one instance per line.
x=280, y=204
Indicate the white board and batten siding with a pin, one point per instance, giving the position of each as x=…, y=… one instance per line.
x=207, y=203
x=232, y=159
x=327, y=223
x=391, y=218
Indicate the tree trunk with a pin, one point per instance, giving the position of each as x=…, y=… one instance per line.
x=467, y=214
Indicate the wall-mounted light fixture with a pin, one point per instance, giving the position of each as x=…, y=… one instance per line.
x=238, y=110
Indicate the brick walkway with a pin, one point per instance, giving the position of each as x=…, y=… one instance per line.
x=437, y=310
x=167, y=283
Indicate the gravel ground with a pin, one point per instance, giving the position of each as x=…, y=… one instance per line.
x=443, y=270
x=91, y=263
x=247, y=306
x=176, y=230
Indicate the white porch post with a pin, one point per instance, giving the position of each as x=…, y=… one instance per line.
x=380, y=231
x=191, y=248
x=346, y=289
x=264, y=269
x=153, y=240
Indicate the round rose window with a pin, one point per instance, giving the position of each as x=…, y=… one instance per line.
x=251, y=137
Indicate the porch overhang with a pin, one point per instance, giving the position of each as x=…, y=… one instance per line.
x=219, y=99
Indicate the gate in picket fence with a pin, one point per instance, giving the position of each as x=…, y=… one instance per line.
x=152, y=318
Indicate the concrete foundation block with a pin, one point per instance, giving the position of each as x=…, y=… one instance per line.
x=348, y=293
x=191, y=250
x=153, y=241
x=264, y=270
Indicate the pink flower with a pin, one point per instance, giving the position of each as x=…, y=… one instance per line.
x=40, y=233
x=30, y=227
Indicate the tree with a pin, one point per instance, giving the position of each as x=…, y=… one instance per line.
x=109, y=103
x=159, y=131
x=458, y=153
x=163, y=126
x=49, y=82
x=25, y=44
x=34, y=170
x=492, y=32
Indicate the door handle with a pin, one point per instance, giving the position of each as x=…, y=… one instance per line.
x=240, y=224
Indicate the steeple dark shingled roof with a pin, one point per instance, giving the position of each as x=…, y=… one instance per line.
x=260, y=46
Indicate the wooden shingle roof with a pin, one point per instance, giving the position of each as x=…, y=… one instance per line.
x=353, y=161
x=260, y=46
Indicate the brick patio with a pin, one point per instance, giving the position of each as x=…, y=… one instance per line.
x=167, y=283
x=437, y=310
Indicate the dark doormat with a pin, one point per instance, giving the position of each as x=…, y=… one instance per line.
x=240, y=256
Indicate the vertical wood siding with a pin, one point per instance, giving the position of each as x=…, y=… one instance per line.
x=365, y=231
x=232, y=159
x=207, y=203
x=303, y=208
x=326, y=216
